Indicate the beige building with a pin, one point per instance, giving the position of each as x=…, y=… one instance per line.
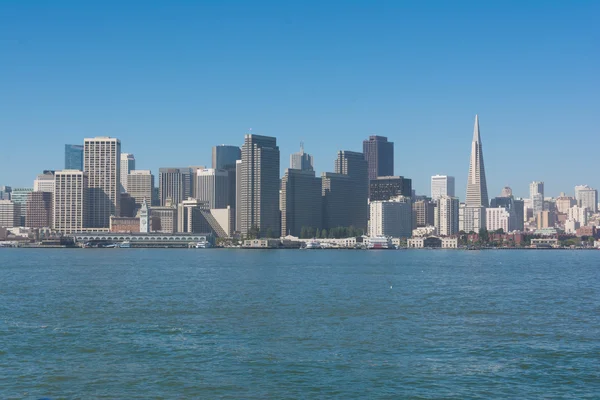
x=545, y=219
x=9, y=214
x=140, y=186
x=127, y=165
x=102, y=163
x=164, y=219
x=70, y=201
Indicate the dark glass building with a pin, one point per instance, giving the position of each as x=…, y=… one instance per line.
x=74, y=156
x=517, y=206
x=225, y=156
x=379, y=154
x=386, y=187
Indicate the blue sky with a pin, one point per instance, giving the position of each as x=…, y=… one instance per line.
x=172, y=79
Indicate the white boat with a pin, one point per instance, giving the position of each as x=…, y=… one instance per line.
x=313, y=244
x=125, y=245
x=203, y=245
x=380, y=243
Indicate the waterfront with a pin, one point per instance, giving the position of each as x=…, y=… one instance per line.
x=305, y=324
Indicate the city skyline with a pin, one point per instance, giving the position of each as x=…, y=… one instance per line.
x=358, y=71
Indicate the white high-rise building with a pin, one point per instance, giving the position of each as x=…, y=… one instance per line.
x=472, y=215
x=101, y=161
x=587, y=197
x=9, y=214
x=447, y=216
x=579, y=214
x=391, y=218
x=127, y=165
x=212, y=185
x=499, y=218
x=70, y=201
x=442, y=185
x=140, y=186
x=536, y=194
x=571, y=226
x=44, y=182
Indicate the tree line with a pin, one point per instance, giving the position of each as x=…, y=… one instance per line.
x=308, y=232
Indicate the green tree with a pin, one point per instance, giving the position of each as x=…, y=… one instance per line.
x=324, y=234
x=270, y=233
x=318, y=233
x=484, y=236
x=303, y=233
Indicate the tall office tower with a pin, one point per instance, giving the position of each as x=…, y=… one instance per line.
x=190, y=218
x=385, y=187
x=301, y=160
x=224, y=156
x=545, y=219
x=212, y=186
x=506, y=192
x=260, y=185
x=74, y=156
x=5, y=192
x=391, y=218
x=578, y=214
x=127, y=205
x=39, y=209
x=355, y=166
x=473, y=213
x=499, y=218
x=19, y=196
x=447, y=215
x=536, y=194
x=238, y=196
x=140, y=186
x=442, y=185
x=70, y=201
x=44, y=182
x=564, y=202
x=336, y=189
x=127, y=165
x=586, y=197
x=514, y=207
x=155, y=197
x=424, y=213
x=102, y=163
x=379, y=154
x=300, y=202
x=187, y=182
x=170, y=185
x=9, y=214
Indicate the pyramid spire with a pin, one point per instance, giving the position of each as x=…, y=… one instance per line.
x=477, y=194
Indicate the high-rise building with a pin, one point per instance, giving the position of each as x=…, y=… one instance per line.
x=447, y=221
x=514, y=207
x=391, y=218
x=379, y=154
x=545, y=219
x=336, y=189
x=5, y=192
x=301, y=160
x=102, y=163
x=70, y=201
x=300, y=201
x=190, y=218
x=260, y=186
x=564, y=202
x=39, y=209
x=385, y=187
x=225, y=156
x=472, y=215
x=355, y=166
x=586, y=197
x=536, y=194
x=19, y=196
x=442, y=185
x=506, y=192
x=424, y=213
x=74, y=156
x=44, y=182
x=128, y=206
x=9, y=214
x=127, y=165
x=499, y=218
x=238, y=196
x=140, y=186
x=578, y=214
x=187, y=180
x=212, y=185
x=175, y=184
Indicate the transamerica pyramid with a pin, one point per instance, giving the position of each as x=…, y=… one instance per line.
x=477, y=194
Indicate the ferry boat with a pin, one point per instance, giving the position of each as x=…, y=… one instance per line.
x=203, y=245
x=125, y=245
x=380, y=243
x=313, y=244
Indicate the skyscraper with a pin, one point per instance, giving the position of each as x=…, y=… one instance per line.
x=9, y=214
x=585, y=196
x=140, y=186
x=102, y=163
x=19, y=196
x=70, y=201
x=424, y=213
x=447, y=216
x=39, y=209
x=44, y=182
x=442, y=185
x=385, y=187
x=355, y=166
x=536, y=194
x=379, y=154
x=74, y=156
x=174, y=184
x=212, y=186
x=127, y=165
x=301, y=160
x=224, y=156
x=300, y=202
x=5, y=192
x=391, y=218
x=472, y=215
x=260, y=185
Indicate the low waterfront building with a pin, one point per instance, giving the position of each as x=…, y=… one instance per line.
x=144, y=239
x=262, y=244
x=589, y=231
x=432, y=242
x=164, y=219
x=124, y=224
x=424, y=231
x=544, y=243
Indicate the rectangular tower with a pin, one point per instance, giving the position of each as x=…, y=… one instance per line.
x=102, y=163
x=379, y=154
x=260, y=186
x=70, y=201
x=447, y=211
x=74, y=156
x=355, y=166
x=442, y=185
x=140, y=186
x=127, y=165
x=300, y=202
x=39, y=210
x=212, y=186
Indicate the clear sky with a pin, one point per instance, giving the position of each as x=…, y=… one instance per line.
x=173, y=78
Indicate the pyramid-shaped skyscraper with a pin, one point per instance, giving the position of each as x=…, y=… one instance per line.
x=477, y=195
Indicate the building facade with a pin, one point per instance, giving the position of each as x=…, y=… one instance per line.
x=19, y=196
x=140, y=186
x=586, y=197
x=74, y=156
x=301, y=160
x=225, y=156
x=442, y=185
x=300, y=202
x=102, y=163
x=44, y=182
x=259, y=200
x=9, y=214
x=424, y=213
x=212, y=186
x=71, y=199
x=379, y=154
x=391, y=218
x=39, y=209
x=499, y=218
x=127, y=165
x=164, y=219
x=385, y=187
x=355, y=166
x=447, y=216
x=472, y=215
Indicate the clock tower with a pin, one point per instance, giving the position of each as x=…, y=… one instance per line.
x=144, y=218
